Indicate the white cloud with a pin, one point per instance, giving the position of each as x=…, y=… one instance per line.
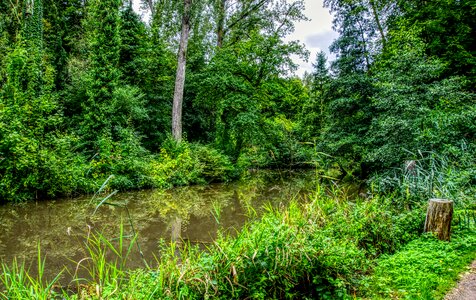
x=321, y=40
x=316, y=34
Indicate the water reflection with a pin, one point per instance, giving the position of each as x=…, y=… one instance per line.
x=188, y=214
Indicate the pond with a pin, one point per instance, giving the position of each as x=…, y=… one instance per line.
x=187, y=214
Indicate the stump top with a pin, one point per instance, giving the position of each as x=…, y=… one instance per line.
x=441, y=200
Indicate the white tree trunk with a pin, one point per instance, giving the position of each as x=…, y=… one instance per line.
x=180, y=77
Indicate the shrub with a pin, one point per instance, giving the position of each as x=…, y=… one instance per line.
x=184, y=163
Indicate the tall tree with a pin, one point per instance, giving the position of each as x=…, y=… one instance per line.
x=29, y=116
x=180, y=77
x=353, y=46
x=363, y=27
x=104, y=45
x=320, y=74
x=313, y=110
x=242, y=86
x=133, y=45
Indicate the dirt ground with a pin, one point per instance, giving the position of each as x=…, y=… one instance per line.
x=466, y=287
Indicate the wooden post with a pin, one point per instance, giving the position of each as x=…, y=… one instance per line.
x=438, y=218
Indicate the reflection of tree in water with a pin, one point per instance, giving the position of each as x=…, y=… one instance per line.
x=179, y=206
x=185, y=213
x=273, y=189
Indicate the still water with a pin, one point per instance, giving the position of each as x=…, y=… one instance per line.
x=188, y=214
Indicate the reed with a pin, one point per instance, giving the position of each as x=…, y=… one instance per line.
x=105, y=264
x=429, y=175
x=20, y=284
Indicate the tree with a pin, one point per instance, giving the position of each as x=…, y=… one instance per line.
x=242, y=87
x=320, y=75
x=104, y=46
x=447, y=29
x=353, y=46
x=414, y=108
x=180, y=78
x=155, y=68
x=348, y=116
x=386, y=102
x=313, y=111
x=347, y=113
x=133, y=46
x=31, y=149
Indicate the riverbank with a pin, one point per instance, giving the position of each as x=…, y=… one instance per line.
x=328, y=248
x=61, y=226
x=176, y=165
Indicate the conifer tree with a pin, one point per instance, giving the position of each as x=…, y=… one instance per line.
x=104, y=42
x=133, y=39
x=320, y=75
x=313, y=110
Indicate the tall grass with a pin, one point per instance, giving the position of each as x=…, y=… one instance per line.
x=431, y=175
x=105, y=261
x=19, y=284
x=325, y=248
x=105, y=264
x=105, y=202
x=321, y=249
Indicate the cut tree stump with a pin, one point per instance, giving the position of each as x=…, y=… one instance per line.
x=438, y=218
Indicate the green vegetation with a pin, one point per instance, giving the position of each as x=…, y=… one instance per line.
x=424, y=269
x=86, y=99
x=21, y=285
x=86, y=91
x=331, y=247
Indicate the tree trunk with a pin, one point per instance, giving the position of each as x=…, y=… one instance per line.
x=221, y=23
x=180, y=78
x=151, y=6
x=379, y=25
x=438, y=218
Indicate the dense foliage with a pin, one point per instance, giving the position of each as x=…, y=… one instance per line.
x=86, y=100
x=87, y=88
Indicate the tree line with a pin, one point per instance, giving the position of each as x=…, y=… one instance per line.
x=207, y=88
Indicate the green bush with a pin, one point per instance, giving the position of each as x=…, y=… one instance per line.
x=184, y=163
x=215, y=166
x=36, y=159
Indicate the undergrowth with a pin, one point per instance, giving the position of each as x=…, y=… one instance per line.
x=321, y=249
x=425, y=268
x=330, y=247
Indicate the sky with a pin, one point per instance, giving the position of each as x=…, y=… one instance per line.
x=316, y=34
